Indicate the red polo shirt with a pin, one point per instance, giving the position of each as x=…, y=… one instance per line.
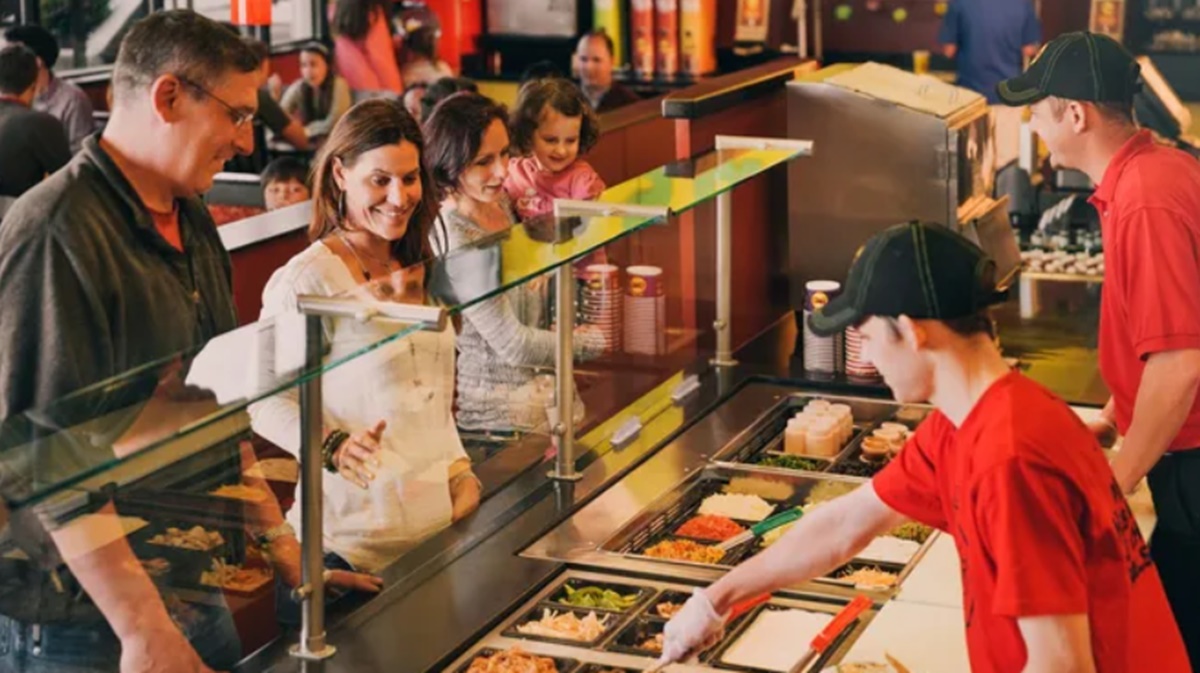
x=1041, y=529
x=1149, y=203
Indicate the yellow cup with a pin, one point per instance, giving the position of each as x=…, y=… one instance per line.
x=921, y=61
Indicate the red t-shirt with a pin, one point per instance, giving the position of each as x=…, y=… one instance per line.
x=1041, y=528
x=167, y=225
x=1149, y=204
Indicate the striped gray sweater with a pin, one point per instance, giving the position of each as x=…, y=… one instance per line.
x=505, y=366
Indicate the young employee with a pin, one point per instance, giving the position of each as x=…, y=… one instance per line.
x=1081, y=95
x=1056, y=577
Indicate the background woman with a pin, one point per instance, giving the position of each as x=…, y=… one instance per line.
x=499, y=387
x=363, y=50
x=319, y=98
x=397, y=472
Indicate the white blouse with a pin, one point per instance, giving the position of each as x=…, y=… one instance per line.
x=408, y=382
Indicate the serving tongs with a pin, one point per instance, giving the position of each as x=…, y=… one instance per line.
x=832, y=631
x=761, y=528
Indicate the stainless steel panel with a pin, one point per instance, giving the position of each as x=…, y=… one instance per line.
x=876, y=164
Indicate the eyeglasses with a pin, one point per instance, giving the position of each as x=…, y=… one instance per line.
x=239, y=117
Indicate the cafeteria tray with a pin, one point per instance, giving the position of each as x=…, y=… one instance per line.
x=714, y=657
x=643, y=594
x=610, y=652
x=561, y=664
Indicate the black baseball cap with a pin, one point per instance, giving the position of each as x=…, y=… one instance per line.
x=1076, y=66
x=923, y=271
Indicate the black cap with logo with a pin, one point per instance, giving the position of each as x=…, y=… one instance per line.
x=923, y=271
x=1076, y=66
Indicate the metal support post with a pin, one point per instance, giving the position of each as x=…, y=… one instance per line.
x=563, y=427
x=724, y=322
x=723, y=325
x=564, y=375
x=312, y=645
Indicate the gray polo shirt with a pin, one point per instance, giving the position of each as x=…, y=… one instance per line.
x=91, y=290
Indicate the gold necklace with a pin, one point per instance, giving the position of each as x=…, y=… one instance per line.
x=362, y=267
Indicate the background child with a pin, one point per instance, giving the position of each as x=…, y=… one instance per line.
x=319, y=98
x=285, y=183
x=551, y=126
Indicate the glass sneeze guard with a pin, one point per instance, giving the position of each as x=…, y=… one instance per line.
x=232, y=367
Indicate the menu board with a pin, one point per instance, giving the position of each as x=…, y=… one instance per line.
x=537, y=18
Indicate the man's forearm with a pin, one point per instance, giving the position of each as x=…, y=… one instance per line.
x=818, y=543
x=1165, y=398
x=100, y=558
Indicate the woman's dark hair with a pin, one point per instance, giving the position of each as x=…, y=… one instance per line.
x=315, y=103
x=369, y=125
x=421, y=42
x=455, y=132
x=540, y=70
x=561, y=95
x=318, y=49
x=443, y=89
x=352, y=18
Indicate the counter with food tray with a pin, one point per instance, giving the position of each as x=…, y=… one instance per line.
x=717, y=464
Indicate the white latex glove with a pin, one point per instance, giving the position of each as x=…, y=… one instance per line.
x=692, y=630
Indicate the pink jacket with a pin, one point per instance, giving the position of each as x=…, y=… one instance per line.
x=369, y=64
x=533, y=190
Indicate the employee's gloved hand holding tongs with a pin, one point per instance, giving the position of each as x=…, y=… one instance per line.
x=698, y=627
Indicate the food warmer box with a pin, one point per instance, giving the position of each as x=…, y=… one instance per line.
x=621, y=636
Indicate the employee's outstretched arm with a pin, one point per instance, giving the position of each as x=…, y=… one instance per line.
x=825, y=538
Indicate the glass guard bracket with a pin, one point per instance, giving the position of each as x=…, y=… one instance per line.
x=430, y=318
x=803, y=148
x=576, y=208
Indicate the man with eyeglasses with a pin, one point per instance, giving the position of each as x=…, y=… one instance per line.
x=112, y=263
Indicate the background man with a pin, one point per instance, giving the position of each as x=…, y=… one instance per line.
x=594, y=60
x=32, y=143
x=65, y=101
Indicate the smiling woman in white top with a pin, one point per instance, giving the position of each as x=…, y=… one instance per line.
x=396, y=469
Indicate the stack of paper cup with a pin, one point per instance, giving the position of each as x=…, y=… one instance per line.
x=820, y=429
x=857, y=364
x=844, y=416
x=795, y=434
x=820, y=353
x=600, y=303
x=823, y=437
x=645, y=311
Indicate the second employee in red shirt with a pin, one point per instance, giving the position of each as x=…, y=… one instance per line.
x=1080, y=91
